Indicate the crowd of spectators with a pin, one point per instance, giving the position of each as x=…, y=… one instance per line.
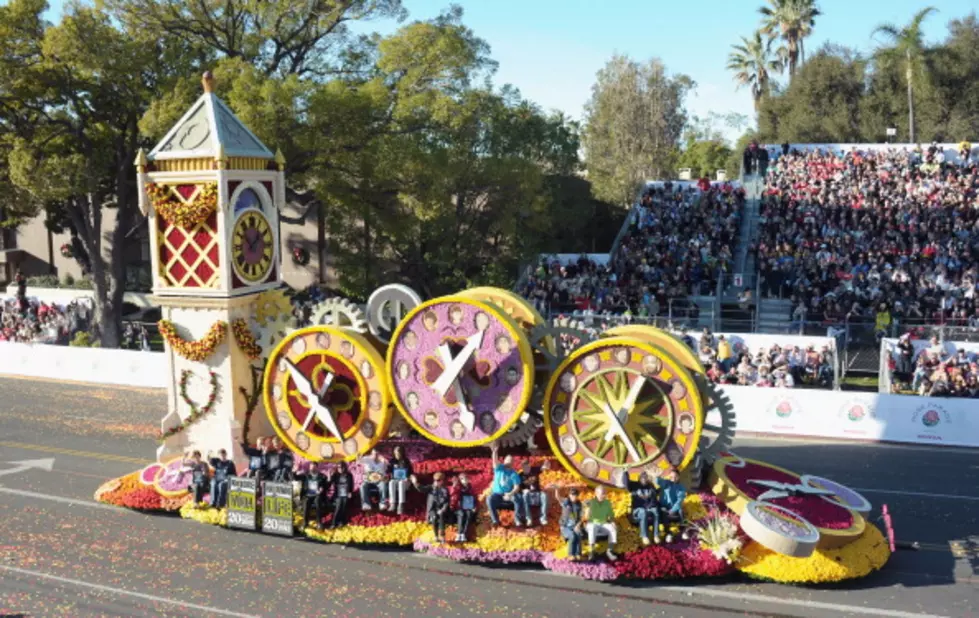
x=933, y=371
x=881, y=238
x=32, y=321
x=679, y=240
x=777, y=366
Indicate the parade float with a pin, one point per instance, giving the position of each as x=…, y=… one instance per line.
x=445, y=379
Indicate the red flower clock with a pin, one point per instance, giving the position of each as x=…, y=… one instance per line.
x=619, y=406
x=785, y=512
x=326, y=394
x=461, y=371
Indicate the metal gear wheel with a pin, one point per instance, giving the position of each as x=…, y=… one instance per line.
x=275, y=330
x=718, y=438
x=523, y=430
x=341, y=313
x=551, y=345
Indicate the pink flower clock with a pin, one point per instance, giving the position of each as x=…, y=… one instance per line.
x=461, y=371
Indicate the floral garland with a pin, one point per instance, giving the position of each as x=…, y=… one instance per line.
x=251, y=400
x=196, y=413
x=180, y=214
x=245, y=339
x=66, y=251
x=300, y=256
x=196, y=351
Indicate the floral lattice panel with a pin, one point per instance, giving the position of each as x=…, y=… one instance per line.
x=189, y=258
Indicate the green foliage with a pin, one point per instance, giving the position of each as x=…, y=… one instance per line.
x=83, y=339
x=52, y=281
x=634, y=121
x=840, y=97
x=753, y=65
x=790, y=21
x=821, y=104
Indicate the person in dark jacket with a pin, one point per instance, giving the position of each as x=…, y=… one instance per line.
x=748, y=158
x=762, y=161
x=645, y=507
x=284, y=459
x=437, y=504
x=198, y=476
x=314, y=497
x=257, y=458
x=401, y=471
x=462, y=501
x=224, y=469
x=571, y=522
x=342, y=483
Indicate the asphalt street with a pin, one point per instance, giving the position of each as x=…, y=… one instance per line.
x=62, y=554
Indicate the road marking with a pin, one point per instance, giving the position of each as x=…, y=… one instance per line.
x=746, y=439
x=129, y=593
x=28, y=464
x=98, y=385
x=62, y=499
x=761, y=598
x=917, y=494
x=74, y=453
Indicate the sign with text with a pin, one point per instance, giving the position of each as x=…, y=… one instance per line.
x=242, y=505
x=277, y=508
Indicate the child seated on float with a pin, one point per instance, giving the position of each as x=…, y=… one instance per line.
x=401, y=471
x=437, y=505
x=532, y=493
x=571, y=523
x=505, y=490
x=671, y=496
x=601, y=517
x=342, y=483
x=645, y=507
x=375, y=470
x=462, y=500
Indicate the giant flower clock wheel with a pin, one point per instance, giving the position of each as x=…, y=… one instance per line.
x=326, y=394
x=461, y=371
x=739, y=482
x=618, y=407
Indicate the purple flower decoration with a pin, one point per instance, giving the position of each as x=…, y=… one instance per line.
x=597, y=571
x=470, y=554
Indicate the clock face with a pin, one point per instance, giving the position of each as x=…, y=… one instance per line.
x=618, y=407
x=461, y=371
x=326, y=394
x=252, y=246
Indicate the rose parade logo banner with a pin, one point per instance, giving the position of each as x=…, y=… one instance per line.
x=783, y=412
x=930, y=421
x=856, y=417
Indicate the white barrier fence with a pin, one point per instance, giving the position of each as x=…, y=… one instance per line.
x=844, y=415
x=95, y=365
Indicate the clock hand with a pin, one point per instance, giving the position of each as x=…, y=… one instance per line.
x=316, y=407
x=327, y=381
x=617, y=428
x=454, y=368
x=465, y=415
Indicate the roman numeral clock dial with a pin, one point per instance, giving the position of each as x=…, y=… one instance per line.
x=252, y=247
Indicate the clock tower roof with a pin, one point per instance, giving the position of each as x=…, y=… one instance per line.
x=209, y=129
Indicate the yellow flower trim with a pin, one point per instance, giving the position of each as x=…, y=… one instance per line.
x=271, y=305
x=196, y=351
x=398, y=533
x=858, y=559
x=178, y=213
x=205, y=514
x=245, y=339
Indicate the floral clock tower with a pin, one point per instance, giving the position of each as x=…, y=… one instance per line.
x=211, y=191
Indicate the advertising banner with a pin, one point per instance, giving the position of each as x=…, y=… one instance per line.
x=277, y=508
x=242, y=506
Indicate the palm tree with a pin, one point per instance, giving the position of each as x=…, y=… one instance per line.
x=906, y=44
x=753, y=65
x=791, y=21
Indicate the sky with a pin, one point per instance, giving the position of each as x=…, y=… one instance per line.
x=552, y=49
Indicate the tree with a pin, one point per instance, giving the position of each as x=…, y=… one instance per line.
x=791, y=21
x=73, y=94
x=753, y=64
x=634, y=121
x=906, y=44
x=823, y=103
